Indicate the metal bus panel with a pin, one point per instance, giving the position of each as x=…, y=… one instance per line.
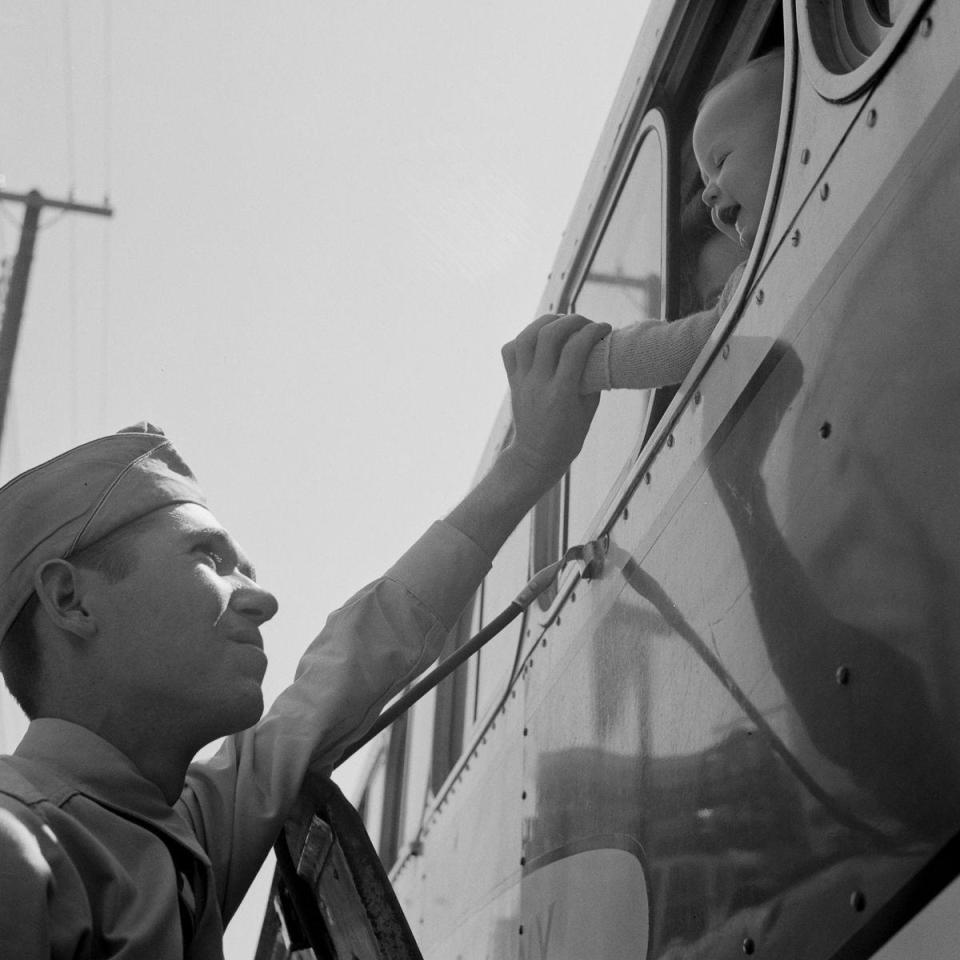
x=933, y=934
x=769, y=706
x=465, y=874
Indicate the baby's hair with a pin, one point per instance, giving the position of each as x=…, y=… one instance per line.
x=765, y=63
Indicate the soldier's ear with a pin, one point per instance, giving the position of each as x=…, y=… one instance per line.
x=59, y=591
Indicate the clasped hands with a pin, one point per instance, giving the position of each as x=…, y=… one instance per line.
x=544, y=367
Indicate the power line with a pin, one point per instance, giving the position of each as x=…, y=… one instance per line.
x=72, y=247
x=107, y=60
x=68, y=94
x=107, y=95
x=74, y=337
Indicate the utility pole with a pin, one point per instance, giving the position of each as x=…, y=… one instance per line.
x=34, y=202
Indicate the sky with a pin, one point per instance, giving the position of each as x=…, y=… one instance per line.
x=328, y=219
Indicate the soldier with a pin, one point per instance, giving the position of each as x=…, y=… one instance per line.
x=130, y=624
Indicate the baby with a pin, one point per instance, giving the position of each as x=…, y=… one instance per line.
x=734, y=139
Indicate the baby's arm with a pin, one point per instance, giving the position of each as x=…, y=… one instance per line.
x=653, y=353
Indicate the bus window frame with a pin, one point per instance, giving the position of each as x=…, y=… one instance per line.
x=452, y=700
x=661, y=417
x=550, y=517
x=765, y=245
x=391, y=823
x=832, y=80
x=552, y=512
x=548, y=533
x=417, y=788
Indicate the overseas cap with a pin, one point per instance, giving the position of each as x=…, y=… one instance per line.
x=71, y=501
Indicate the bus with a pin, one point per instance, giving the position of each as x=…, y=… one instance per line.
x=735, y=731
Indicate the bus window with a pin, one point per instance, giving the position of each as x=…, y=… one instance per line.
x=847, y=32
x=846, y=43
x=502, y=584
x=416, y=786
x=451, y=702
x=370, y=806
x=623, y=284
x=547, y=523
x=393, y=793
x=464, y=697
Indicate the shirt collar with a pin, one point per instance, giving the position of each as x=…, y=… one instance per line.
x=67, y=759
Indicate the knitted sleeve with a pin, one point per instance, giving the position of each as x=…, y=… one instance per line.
x=653, y=353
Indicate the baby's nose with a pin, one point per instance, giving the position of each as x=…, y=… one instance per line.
x=710, y=194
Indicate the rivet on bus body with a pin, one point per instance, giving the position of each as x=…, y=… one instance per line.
x=726, y=351
x=795, y=238
x=843, y=675
x=759, y=296
x=871, y=117
x=824, y=191
x=926, y=25
x=858, y=901
x=805, y=155
x=748, y=945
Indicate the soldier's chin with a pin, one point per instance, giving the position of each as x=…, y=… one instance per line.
x=247, y=710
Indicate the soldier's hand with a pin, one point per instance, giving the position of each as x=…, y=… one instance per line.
x=544, y=367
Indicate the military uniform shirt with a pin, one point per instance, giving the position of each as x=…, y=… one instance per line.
x=95, y=864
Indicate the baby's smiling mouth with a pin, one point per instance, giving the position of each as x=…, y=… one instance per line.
x=728, y=215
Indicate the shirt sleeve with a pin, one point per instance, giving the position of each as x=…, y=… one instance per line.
x=653, y=353
x=44, y=909
x=25, y=878
x=368, y=651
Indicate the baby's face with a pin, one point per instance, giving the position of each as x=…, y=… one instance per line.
x=734, y=140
